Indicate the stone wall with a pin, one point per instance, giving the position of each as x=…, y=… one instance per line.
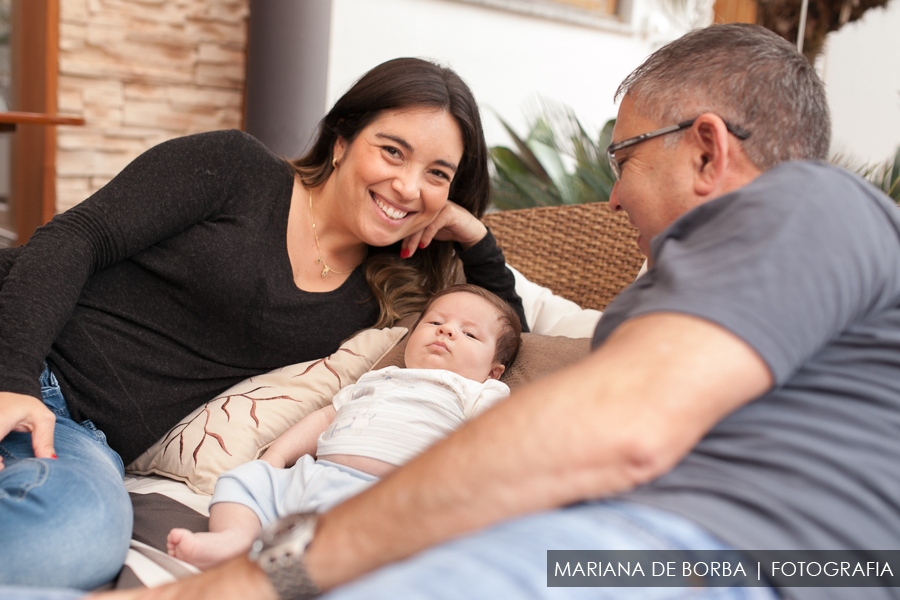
x=141, y=72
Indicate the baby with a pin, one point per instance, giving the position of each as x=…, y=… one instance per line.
x=459, y=347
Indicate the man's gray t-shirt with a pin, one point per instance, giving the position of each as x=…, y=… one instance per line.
x=804, y=265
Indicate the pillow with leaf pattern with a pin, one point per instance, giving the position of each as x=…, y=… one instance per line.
x=235, y=427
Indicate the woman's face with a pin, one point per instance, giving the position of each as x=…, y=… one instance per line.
x=394, y=178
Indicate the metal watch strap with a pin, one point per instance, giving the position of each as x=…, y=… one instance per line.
x=279, y=552
x=291, y=581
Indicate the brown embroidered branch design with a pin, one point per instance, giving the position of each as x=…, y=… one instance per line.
x=178, y=432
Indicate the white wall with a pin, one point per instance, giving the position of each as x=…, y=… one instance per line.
x=509, y=60
x=861, y=69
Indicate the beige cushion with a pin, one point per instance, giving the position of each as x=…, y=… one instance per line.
x=539, y=355
x=549, y=314
x=233, y=428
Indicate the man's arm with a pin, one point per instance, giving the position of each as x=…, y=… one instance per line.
x=623, y=416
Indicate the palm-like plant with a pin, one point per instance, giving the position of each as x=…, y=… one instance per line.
x=885, y=176
x=557, y=163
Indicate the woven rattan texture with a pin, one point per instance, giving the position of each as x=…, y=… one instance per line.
x=582, y=252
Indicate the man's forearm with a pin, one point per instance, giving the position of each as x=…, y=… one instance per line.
x=468, y=481
x=238, y=579
x=624, y=415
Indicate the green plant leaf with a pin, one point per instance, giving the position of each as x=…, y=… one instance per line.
x=558, y=162
x=885, y=175
x=525, y=154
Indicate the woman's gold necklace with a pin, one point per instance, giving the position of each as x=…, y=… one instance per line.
x=321, y=260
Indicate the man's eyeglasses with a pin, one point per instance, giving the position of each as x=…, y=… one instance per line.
x=738, y=132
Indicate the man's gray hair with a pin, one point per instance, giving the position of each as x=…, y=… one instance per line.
x=746, y=75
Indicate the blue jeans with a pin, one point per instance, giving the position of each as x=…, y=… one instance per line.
x=510, y=559
x=63, y=522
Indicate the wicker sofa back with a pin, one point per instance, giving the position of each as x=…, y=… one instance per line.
x=582, y=252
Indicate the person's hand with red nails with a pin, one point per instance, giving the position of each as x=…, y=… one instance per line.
x=453, y=223
x=19, y=412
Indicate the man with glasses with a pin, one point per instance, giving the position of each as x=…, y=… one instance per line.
x=743, y=394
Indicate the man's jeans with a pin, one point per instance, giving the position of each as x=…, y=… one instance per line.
x=64, y=522
x=510, y=560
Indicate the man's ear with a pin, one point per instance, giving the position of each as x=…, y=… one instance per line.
x=711, y=159
x=496, y=371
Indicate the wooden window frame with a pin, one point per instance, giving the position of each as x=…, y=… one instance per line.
x=568, y=11
x=35, y=55
x=734, y=11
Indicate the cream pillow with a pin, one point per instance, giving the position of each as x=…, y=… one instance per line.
x=233, y=429
x=549, y=314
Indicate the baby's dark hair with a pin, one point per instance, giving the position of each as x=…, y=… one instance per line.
x=510, y=337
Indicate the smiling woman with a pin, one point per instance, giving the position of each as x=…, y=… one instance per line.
x=401, y=157
x=209, y=260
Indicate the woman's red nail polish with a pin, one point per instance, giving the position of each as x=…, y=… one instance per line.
x=421, y=245
x=54, y=456
x=404, y=253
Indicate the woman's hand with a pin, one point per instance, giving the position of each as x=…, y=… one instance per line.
x=453, y=223
x=19, y=412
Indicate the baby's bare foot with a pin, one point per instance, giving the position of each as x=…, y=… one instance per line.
x=205, y=550
x=181, y=544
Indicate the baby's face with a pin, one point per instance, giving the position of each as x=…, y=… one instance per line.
x=458, y=333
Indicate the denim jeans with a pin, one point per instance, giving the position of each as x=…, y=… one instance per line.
x=33, y=593
x=510, y=559
x=64, y=522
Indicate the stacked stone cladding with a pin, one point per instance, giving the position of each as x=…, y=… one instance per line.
x=141, y=72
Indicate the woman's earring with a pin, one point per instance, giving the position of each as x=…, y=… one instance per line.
x=334, y=162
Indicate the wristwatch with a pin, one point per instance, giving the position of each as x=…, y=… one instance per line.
x=279, y=552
